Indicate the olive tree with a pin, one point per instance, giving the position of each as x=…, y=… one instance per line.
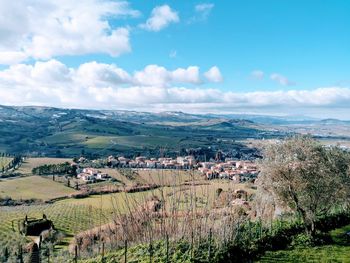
x=302, y=176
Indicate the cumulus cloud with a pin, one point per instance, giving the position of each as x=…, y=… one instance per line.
x=282, y=80
x=214, y=74
x=160, y=18
x=45, y=29
x=11, y=57
x=105, y=86
x=154, y=75
x=189, y=75
x=257, y=74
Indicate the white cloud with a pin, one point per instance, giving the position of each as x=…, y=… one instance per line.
x=204, y=9
x=282, y=80
x=45, y=29
x=154, y=75
x=214, y=74
x=189, y=75
x=160, y=18
x=11, y=57
x=101, y=75
x=202, y=12
x=257, y=74
x=104, y=86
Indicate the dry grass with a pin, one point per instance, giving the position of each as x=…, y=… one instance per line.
x=4, y=161
x=169, y=177
x=203, y=192
x=184, y=210
x=117, y=175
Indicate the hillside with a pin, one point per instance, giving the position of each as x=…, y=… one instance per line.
x=44, y=131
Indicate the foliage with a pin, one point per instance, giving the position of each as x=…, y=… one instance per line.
x=48, y=169
x=302, y=176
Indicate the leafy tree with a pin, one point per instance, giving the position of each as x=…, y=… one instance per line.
x=302, y=176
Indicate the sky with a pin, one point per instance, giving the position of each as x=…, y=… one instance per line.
x=277, y=57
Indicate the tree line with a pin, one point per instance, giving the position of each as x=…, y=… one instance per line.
x=59, y=169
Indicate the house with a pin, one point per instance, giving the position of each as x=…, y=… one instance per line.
x=102, y=176
x=87, y=177
x=140, y=159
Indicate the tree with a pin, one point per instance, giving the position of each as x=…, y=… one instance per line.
x=302, y=176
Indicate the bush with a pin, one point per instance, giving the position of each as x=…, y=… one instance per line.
x=302, y=240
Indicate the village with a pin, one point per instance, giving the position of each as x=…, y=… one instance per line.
x=235, y=170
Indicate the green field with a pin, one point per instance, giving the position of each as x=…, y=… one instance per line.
x=138, y=141
x=30, y=163
x=68, y=218
x=33, y=187
x=337, y=252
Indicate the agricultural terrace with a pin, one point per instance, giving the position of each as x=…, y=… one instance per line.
x=30, y=163
x=33, y=187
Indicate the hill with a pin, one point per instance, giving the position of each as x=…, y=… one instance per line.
x=45, y=131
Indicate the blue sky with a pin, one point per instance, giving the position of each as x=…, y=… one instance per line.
x=270, y=56
x=307, y=41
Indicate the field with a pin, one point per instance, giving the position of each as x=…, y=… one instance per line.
x=120, y=202
x=68, y=218
x=30, y=163
x=114, y=173
x=33, y=187
x=72, y=216
x=168, y=177
x=4, y=161
x=139, y=141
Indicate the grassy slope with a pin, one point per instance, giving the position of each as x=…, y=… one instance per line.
x=337, y=252
x=118, y=201
x=140, y=253
x=30, y=163
x=41, y=131
x=33, y=187
x=168, y=177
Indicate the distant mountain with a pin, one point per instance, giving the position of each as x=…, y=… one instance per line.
x=334, y=121
x=274, y=120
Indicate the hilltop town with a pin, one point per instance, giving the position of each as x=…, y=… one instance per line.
x=235, y=170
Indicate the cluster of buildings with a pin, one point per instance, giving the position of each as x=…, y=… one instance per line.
x=186, y=162
x=230, y=169
x=91, y=175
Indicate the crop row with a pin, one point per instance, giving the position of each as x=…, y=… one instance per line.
x=68, y=218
